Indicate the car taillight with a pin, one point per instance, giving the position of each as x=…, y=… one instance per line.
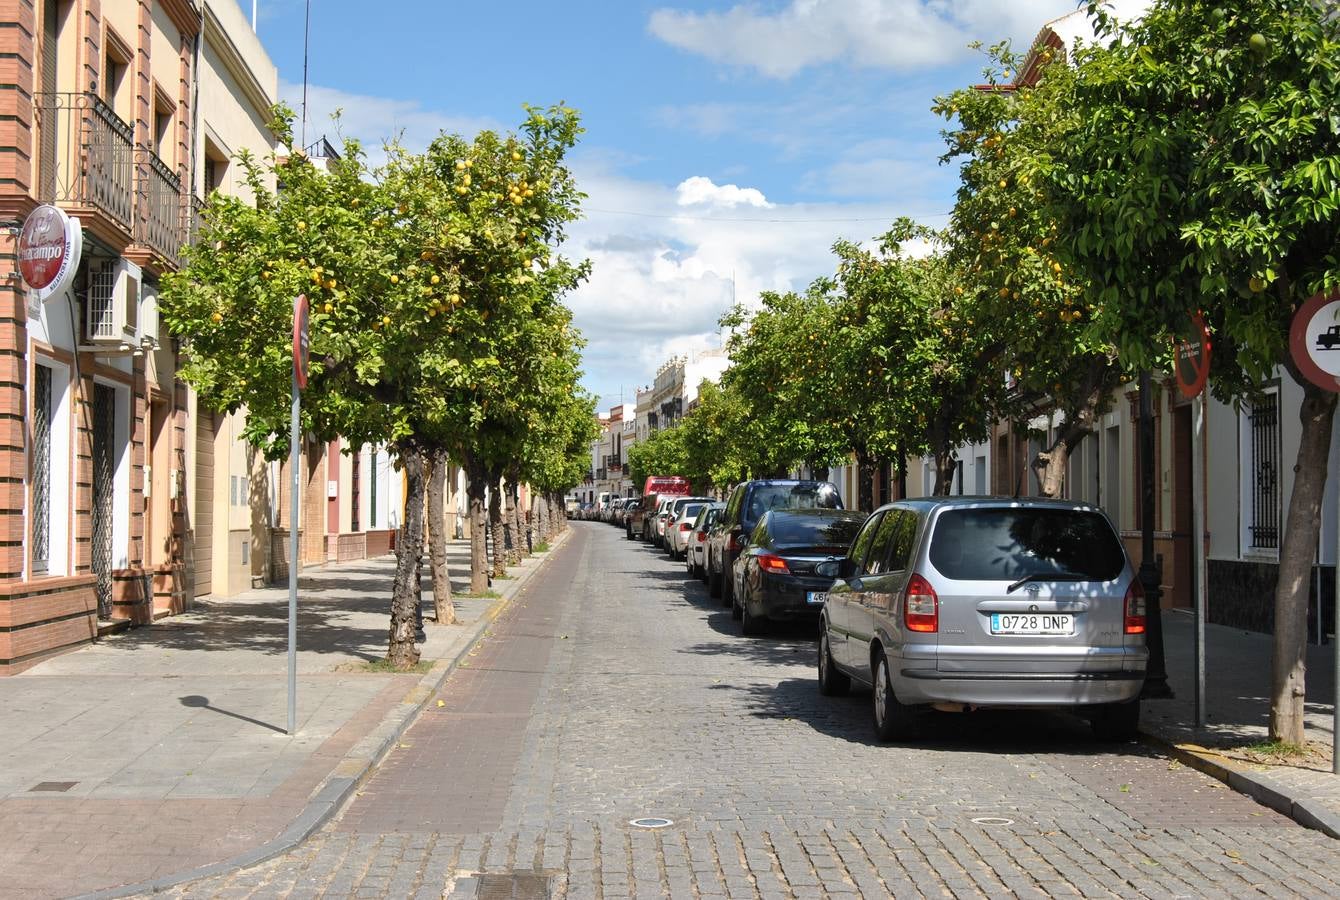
x=921, y=608
x=1135, y=608
x=686, y=527
x=734, y=542
x=702, y=536
x=775, y=564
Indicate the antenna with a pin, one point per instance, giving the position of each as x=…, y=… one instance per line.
x=306, y=37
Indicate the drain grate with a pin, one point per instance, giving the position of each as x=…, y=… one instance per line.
x=53, y=787
x=511, y=886
x=651, y=822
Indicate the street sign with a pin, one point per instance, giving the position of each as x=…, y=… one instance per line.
x=50, y=246
x=302, y=344
x=1314, y=340
x=1192, y=354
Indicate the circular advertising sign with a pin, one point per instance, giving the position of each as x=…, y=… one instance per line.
x=50, y=246
x=1193, y=358
x=301, y=344
x=1314, y=340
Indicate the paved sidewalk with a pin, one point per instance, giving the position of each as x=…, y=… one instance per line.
x=162, y=750
x=1238, y=713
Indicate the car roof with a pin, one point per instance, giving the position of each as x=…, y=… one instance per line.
x=785, y=482
x=816, y=513
x=985, y=501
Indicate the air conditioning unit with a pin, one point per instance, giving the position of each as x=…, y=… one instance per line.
x=114, y=303
x=149, y=317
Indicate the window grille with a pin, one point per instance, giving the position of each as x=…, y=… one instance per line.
x=41, y=510
x=355, y=479
x=104, y=438
x=1265, y=473
x=102, y=313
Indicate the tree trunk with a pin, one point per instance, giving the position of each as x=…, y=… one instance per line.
x=475, y=493
x=557, y=517
x=902, y=475
x=520, y=541
x=946, y=464
x=401, y=653
x=497, y=529
x=511, y=536
x=1296, y=555
x=444, y=614
x=865, y=482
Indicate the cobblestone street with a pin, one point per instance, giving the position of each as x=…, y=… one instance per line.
x=613, y=688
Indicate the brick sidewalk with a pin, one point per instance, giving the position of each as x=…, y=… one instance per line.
x=163, y=750
x=1238, y=711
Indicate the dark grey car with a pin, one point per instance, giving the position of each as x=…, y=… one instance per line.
x=956, y=604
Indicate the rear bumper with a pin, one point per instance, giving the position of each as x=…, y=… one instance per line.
x=1014, y=689
x=784, y=599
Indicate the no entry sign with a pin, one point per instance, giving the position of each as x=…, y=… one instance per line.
x=1314, y=340
x=1193, y=358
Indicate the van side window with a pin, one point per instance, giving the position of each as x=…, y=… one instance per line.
x=861, y=545
x=903, y=540
x=877, y=561
x=732, y=514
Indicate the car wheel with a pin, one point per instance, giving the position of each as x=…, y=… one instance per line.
x=893, y=720
x=832, y=683
x=713, y=584
x=1117, y=721
x=728, y=589
x=736, y=612
x=751, y=624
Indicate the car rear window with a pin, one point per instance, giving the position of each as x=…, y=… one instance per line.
x=1007, y=544
x=815, y=531
x=691, y=510
x=788, y=496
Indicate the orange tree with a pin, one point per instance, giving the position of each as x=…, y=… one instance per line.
x=1201, y=174
x=1001, y=244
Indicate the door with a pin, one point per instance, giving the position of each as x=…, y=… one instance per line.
x=1182, y=577
x=202, y=552
x=873, y=588
x=104, y=487
x=842, y=595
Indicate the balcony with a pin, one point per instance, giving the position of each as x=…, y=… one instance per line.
x=160, y=226
x=86, y=156
x=196, y=219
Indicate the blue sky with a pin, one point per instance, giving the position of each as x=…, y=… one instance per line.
x=707, y=122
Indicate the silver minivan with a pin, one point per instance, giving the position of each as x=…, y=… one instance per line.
x=959, y=603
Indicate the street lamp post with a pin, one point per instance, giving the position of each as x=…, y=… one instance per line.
x=1156, y=676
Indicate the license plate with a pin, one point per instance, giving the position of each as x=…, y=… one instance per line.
x=1032, y=623
x=817, y=597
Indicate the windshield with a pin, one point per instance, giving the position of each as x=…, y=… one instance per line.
x=1007, y=544
x=815, y=531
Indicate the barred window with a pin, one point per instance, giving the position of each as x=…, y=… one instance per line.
x=1264, y=474
x=41, y=508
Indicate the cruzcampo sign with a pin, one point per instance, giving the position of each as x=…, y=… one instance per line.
x=50, y=246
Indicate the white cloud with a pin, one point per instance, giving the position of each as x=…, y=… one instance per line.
x=663, y=275
x=700, y=191
x=894, y=34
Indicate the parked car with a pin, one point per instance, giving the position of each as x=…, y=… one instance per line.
x=960, y=603
x=696, y=558
x=745, y=506
x=571, y=507
x=680, y=524
x=630, y=509
x=615, y=512
x=774, y=576
x=659, y=520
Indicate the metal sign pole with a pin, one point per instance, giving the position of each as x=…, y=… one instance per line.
x=1198, y=546
x=293, y=457
x=1335, y=645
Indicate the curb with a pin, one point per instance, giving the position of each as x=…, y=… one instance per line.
x=1307, y=812
x=359, y=762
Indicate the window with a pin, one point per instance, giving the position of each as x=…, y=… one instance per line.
x=355, y=491
x=879, y=559
x=1263, y=473
x=1004, y=544
x=904, y=538
x=372, y=493
x=861, y=546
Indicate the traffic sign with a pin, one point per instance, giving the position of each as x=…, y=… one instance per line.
x=302, y=345
x=1314, y=340
x=1192, y=353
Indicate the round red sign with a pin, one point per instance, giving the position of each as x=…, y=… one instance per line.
x=1314, y=340
x=48, y=249
x=1192, y=358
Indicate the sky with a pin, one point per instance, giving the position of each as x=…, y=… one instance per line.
x=728, y=144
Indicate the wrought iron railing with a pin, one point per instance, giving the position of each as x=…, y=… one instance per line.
x=91, y=161
x=1265, y=476
x=195, y=219
x=160, y=191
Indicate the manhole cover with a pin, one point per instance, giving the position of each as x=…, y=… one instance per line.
x=651, y=822
x=58, y=787
x=992, y=820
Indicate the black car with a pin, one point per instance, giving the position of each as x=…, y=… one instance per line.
x=774, y=576
x=745, y=506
